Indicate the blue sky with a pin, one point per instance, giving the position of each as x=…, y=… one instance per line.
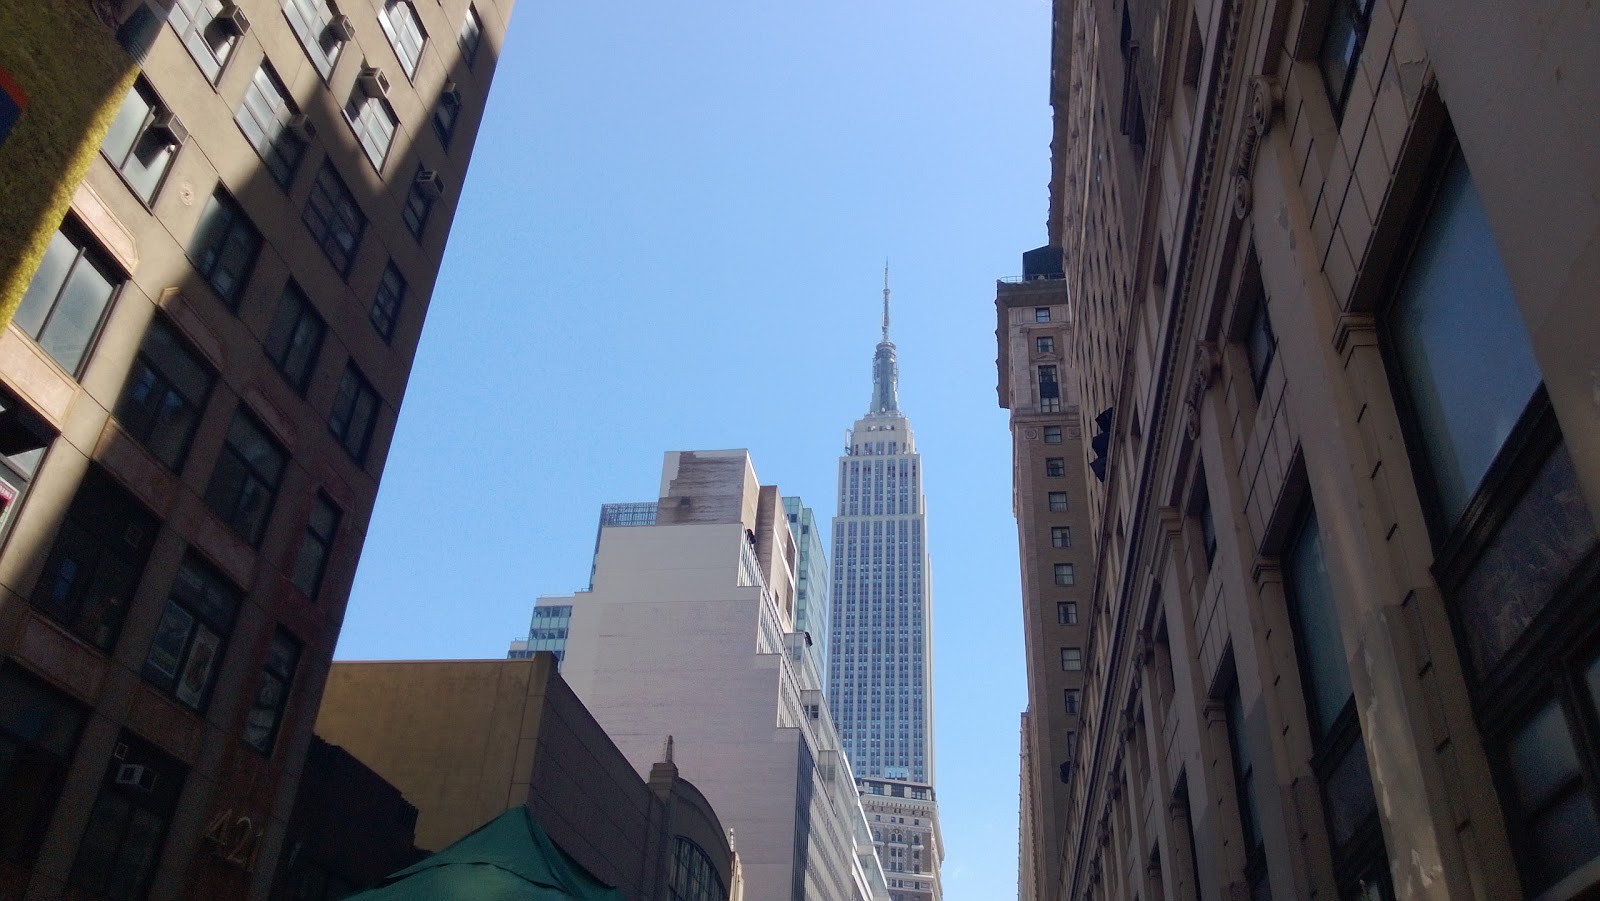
x=672, y=237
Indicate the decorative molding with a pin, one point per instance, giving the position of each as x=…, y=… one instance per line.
x=1261, y=107
x=1362, y=327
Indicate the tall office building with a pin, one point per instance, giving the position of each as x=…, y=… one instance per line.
x=811, y=580
x=197, y=395
x=1329, y=270
x=880, y=670
x=687, y=630
x=1049, y=498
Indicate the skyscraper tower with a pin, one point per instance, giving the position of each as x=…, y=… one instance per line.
x=880, y=652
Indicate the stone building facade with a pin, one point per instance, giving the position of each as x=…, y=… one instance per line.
x=197, y=396
x=1330, y=269
x=1050, y=500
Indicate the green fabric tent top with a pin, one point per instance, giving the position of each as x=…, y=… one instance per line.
x=509, y=858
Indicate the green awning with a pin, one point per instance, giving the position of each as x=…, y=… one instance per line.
x=509, y=858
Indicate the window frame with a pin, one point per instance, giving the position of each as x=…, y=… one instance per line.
x=1061, y=536
x=211, y=61
x=144, y=426
x=367, y=117
x=408, y=64
x=1055, y=467
x=1058, y=502
x=1066, y=613
x=163, y=806
x=276, y=139
x=48, y=766
x=473, y=23
x=237, y=515
x=385, y=317
x=324, y=544
x=343, y=423
x=86, y=251
x=1361, y=23
x=306, y=312
x=418, y=206
x=331, y=203
x=141, y=134
x=1041, y=314
x=1066, y=575
x=1044, y=344
x=1052, y=434
x=1072, y=659
x=446, y=130
x=211, y=604
x=208, y=258
x=278, y=668
x=90, y=550
x=328, y=47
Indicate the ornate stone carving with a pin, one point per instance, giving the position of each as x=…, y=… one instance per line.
x=1260, y=109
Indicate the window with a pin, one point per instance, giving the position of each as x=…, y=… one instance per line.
x=1072, y=659
x=295, y=337
x=400, y=23
x=335, y=220
x=373, y=121
x=67, y=300
x=39, y=731
x=245, y=480
x=321, y=30
x=122, y=843
x=264, y=116
x=272, y=695
x=1044, y=345
x=355, y=411
x=1049, y=390
x=1341, y=49
x=471, y=36
x=321, y=528
x=1074, y=698
x=1055, y=467
x=446, y=114
x=23, y=439
x=1041, y=314
x=1463, y=356
x=1551, y=800
x=694, y=876
x=1064, y=574
x=385, y=311
x=1066, y=613
x=1052, y=434
x=1244, y=788
x=209, y=38
x=1339, y=756
x=1061, y=536
x=1208, y=524
x=165, y=395
x=186, y=653
x=224, y=247
x=1058, y=502
x=425, y=189
x=94, y=566
x=143, y=141
x=1260, y=343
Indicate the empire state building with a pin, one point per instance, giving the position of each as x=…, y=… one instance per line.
x=880, y=655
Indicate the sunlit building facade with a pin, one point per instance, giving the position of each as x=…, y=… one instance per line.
x=811, y=580
x=1326, y=268
x=197, y=397
x=880, y=670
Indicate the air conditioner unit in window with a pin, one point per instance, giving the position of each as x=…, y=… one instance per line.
x=140, y=777
x=300, y=126
x=373, y=82
x=233, y=18
x=168, y=127
x=430, y=183
x=451, y=92
x=342, y=29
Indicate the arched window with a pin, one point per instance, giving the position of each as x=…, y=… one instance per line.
x=694, y=877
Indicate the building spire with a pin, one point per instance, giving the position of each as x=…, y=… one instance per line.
x=885, y=299
x=885, y=371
